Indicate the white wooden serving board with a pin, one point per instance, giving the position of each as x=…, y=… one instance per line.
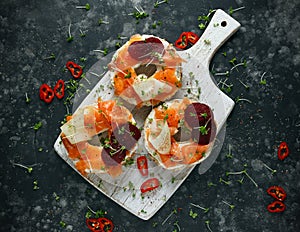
x=125, y=189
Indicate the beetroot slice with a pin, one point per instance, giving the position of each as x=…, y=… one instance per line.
x=126, y=135
x=197, y=114
x=146, y=50
x=203, y=135
x=112, y=157
x=122, y=139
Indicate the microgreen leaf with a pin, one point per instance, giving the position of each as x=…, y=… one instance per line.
x=27, y=99
x=63, y=224
x=202, y=26
x=101, y=21
x=238, y=99
x=139, y=14
x=174, y=211
x=230, y=205
x=56, y=197
x=207, y=223
x=35, y=185
x=193, y=214
x=231, y=10
x=70, y=37
x=82, y=34
x=270, y=169
x=200, y=207
x=96, y=214
x=37, y=126
x=104, y=51
x=224, y=181
x=207, y=42
x=28, y=168
x=210, y=184
x=86, y=7
x=157, y=3
x=243, y=172
x=50, y=57
x=232, y=61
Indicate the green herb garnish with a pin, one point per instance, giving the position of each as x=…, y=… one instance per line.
x=70, y=37
x=193, y=214
x=37, y=126
x=86, y=7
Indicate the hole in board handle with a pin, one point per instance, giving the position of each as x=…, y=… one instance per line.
x=223, y=23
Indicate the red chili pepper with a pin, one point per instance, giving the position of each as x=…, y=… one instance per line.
x=283, y=151
x=100, y=224
x=277, y=192
x=46, y=93
x=182, y=41
x=59, y=89
x=150, y=185
x=192, y=37
x=179, y=44
x=276, y=207
x=74, y=68
x=142, y=165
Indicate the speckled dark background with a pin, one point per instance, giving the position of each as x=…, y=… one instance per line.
x=268, y=40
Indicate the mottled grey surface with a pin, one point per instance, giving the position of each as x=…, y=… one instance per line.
x=270, y=113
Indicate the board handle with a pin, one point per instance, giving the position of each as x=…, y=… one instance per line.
x=221, y=27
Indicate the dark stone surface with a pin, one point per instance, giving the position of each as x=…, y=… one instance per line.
x=268, y=40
